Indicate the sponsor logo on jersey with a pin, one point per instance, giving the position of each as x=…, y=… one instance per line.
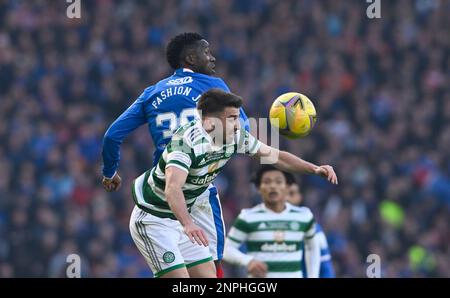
x=180, y=81
x=213, y=156
x=278, y=247
x=205, y=180
x=278, y=225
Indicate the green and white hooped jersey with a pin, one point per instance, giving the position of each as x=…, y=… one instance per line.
x=192, y=150
x=274, y=238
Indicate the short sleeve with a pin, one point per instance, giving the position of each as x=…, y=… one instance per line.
x=310, y=229
x=179, y=159
x=240, y=229
x=179, y=154
x=221, y=85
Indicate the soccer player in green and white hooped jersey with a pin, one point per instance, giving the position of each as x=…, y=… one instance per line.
x=274, y=232
x=165, y=233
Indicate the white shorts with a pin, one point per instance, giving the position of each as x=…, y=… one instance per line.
x=164, y=244
x=207, y=214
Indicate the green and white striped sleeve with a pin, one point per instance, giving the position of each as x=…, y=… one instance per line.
x=310, y=229
x=179, y=153
x=239, y=231
x=180, y=160
x=236, y=236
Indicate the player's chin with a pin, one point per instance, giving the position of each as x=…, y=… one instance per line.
x=274, y=197
x=211, y=70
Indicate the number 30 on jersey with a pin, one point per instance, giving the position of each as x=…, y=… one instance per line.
x=174, y=122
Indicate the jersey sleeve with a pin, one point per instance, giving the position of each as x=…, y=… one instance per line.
x=128, y=121
x=326, y=269
x=247, y=144
x=239, y=231
x=180, y=160
x=237, y=235
x=219, y=83
x=180, y=153
x=310, y=230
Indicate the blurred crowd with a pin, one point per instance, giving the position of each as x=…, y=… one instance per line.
x=380, y=86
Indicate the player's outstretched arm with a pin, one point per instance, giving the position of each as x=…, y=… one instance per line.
x=175, y=179
x=288, y=162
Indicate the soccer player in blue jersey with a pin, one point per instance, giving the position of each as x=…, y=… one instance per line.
x=164, y=107
x=326, y=266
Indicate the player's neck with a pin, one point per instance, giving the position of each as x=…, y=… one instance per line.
x=276, y=207
x=186, y=68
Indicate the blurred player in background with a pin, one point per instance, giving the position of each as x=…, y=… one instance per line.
x=326, y=265
x=280, y=237
x=164, y=107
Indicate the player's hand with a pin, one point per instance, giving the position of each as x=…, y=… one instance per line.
x=112, y=184
x=196, y=234
x=257, y=268
x=327, y=171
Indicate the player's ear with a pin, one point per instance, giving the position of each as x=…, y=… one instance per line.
x=208, y=124
x=190, y=58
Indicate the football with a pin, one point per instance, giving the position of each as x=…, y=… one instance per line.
x=293, y=114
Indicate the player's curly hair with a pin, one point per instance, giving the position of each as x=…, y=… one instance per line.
x=177, y=46
x=257, y=176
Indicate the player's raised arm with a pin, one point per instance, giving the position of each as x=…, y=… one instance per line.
x=288, y=162
x=175, y=179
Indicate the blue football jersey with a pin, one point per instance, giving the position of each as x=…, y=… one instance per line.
x=326, y=265
x=164, y=106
